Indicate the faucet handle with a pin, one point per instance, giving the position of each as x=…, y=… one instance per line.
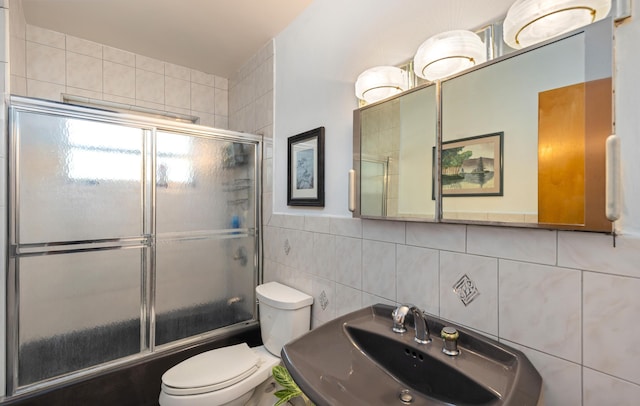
x=399, y=315
x=450, y=339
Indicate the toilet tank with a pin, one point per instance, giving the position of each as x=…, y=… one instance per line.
x=285, y=314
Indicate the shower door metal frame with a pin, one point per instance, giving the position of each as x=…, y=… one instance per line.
x=146, y=242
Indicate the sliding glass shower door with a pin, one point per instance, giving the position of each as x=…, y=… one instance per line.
x=127, y=236
x=205, y=205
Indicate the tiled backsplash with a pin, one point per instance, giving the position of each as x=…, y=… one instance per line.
x=567, y=299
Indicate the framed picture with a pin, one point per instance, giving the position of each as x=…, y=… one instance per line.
x=305, y=177
x=473, y=166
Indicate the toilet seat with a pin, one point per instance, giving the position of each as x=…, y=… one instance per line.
x=211, y=371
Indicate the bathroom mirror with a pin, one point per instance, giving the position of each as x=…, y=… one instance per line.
x=522, y=141
x=393, y=144
x=551, y=106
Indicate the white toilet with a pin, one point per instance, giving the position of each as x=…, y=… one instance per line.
x=229, y=376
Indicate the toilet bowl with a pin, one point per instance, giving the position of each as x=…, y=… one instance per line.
x=229, y=376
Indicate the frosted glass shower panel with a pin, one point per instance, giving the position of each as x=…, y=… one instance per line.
x=203, y=183
x=77, y=310
x=203, y=284
x=78, y=179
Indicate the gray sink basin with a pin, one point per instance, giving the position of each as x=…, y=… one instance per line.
x=358, y=360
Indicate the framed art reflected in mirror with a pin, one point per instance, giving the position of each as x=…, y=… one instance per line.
x=473, y=166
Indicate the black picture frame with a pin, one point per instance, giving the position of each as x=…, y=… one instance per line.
x=305, y=169
x=484, y=152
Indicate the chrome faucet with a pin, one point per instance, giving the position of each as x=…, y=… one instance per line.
x=419, y=322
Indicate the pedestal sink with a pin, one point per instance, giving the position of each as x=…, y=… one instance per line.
x=358, y=360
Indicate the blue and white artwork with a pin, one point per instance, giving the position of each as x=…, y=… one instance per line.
x=304, y=169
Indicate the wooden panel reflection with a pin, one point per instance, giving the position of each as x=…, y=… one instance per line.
x=573, y=124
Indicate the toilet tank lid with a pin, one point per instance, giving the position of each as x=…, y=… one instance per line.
x=280, y=296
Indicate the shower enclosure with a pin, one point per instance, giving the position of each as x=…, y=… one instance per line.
x=128, y=236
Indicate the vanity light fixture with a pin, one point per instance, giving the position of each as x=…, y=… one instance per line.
x=531, y=21
x=447, y=53
x=381, y=82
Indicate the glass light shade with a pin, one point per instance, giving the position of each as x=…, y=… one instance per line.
x=447, y=53
x=380, y=82
x=531, y=21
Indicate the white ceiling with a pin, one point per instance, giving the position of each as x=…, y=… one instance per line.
x=213, y=36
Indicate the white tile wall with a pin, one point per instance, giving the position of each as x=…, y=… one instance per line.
x=418, y=277
x=540, y=308
x=561, y=380
x=611, y=329
x=47, y=64
x=601, y=389
x=482, y=313
x=379, y=268
x=577, y=327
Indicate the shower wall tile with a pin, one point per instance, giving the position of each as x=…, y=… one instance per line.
x=264, y=110
x=177, y=71
x=89, y=94
x=540, y=308
x=149, y=64
x=203, y=78
x=119, y=80
x=17, y=22
x=561, y=379
x=537, y=246
x=379, y=268
x=418, y=277
x=128, y=101
x=482, y=312
x=601, y=389
x=389, y=231
x=18, y=56
x=84, y=47
x=595, y=252
x=45, y=63
x=449, y=237
x=221, y=122
x=44, y=90
x=206, y=118
x=221, y=83
x=202, y=97
x=349, y=261
x=45, y=37
x=611, y=327
x=149, y=86
x=89, y=69
x=177, y=92
x=264, y=77
x=221, y=102
x=149, y=105
x=84, y=72
x=116, y=55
